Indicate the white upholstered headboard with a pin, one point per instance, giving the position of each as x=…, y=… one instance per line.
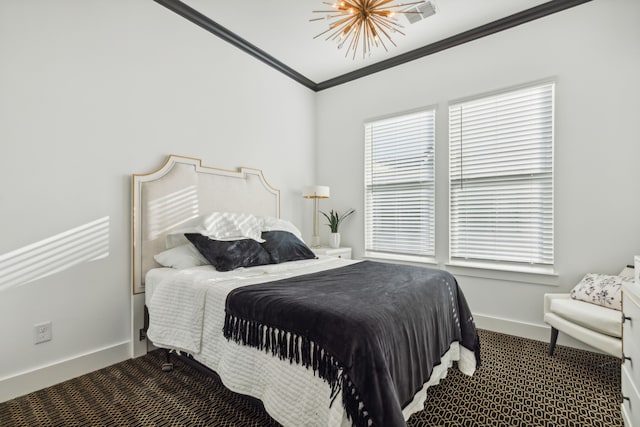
x=182, y=189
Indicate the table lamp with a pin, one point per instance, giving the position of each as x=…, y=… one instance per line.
x=315, y=192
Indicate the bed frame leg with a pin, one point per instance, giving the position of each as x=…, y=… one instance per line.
x=167, y=366
x=552, y=342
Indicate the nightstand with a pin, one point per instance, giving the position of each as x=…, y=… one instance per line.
x=343, y=252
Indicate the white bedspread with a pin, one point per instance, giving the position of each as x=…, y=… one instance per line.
x=181, y=302
x=186, y=309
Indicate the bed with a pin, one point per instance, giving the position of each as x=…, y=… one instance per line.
x=300, y=376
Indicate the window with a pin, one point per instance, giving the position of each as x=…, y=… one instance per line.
x=501, y=177
x=399, y=185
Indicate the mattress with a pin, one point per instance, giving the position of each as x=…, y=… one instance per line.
x=187, y=309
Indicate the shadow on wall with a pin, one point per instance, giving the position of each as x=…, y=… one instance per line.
x=88, y=242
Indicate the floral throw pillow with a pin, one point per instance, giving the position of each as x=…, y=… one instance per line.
x=600, y=289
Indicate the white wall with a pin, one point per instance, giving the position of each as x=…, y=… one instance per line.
x=593, y=51
x=92, y=91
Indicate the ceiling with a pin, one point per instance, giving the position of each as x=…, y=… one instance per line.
x=283, y=30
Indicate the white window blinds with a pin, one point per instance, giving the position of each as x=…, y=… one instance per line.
x=501, y=177
x=399, y=185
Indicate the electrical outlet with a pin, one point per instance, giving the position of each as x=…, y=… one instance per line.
x=42, y=332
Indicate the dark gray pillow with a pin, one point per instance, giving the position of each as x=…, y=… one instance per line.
x=284, y=246
x=229, y=255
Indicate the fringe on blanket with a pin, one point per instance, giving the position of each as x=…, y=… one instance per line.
x=299, y=349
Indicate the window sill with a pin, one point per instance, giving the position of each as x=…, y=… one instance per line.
x=405, y=259
x=537, y=275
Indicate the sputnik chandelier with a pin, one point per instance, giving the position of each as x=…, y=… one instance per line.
x=365, y=23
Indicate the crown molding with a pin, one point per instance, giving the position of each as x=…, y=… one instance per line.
x=216, y=29
x=502, y=24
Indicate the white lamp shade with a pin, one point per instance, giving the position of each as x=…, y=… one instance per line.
x=316, y=192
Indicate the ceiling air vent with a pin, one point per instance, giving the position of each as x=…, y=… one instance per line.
x=421, y=11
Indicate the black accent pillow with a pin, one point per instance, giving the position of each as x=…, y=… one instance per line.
x=284, y=246
x=229, y=255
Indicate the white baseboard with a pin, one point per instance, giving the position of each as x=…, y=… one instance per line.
x=527, y=330
x=46, y=376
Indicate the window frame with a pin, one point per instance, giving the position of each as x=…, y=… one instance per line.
x=395, y=256
x=505, y=265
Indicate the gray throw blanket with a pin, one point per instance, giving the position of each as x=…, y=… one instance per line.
x=372, y=330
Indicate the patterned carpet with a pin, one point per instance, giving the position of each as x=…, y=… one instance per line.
x=518, y=385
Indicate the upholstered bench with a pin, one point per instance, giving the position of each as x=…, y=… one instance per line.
x=600, y=327
x=596, y=325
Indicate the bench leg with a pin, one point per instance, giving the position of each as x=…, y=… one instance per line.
x=552, y=342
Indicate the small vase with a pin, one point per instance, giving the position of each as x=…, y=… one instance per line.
x=334, y=240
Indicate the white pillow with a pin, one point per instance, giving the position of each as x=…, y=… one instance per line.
x=269, y=223
x=184, y=256
x=600, y=289
x=217, y=226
